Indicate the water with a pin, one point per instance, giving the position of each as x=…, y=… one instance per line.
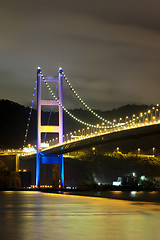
x=36, y=215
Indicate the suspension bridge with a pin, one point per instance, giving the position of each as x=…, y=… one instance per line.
x=144, y=124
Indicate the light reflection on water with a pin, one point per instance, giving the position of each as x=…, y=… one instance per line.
x=35, y=215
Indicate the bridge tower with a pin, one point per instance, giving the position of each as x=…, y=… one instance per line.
x=41, y=157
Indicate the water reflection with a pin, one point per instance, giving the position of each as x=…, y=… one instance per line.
x=35, y=215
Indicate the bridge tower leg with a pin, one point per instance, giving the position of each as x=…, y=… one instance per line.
x=53, y=129
x=38, y=127
x=61, y=160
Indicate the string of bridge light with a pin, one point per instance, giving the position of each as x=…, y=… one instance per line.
x=83, y=103
x=90, y=110
x=154, y=110
x=147, y=120
x=29, y=118
x=70, y=114
x=88, y=124
x=150, y=111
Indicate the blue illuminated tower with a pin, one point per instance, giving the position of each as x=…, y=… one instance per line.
x=48, y=128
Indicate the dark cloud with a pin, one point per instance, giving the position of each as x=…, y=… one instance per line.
x=109, y=50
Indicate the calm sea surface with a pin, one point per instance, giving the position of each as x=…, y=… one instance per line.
x=37, y=215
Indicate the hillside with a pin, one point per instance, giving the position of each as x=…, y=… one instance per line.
x=13, y=121
x=88, y=168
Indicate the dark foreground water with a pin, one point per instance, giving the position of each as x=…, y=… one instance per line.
x=37, y=215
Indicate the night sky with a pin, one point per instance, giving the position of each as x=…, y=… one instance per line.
x=109, y=50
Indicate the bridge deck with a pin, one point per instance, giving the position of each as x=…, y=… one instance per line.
x=122, y=135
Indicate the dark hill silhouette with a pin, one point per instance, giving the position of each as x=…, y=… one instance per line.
x=13, y=121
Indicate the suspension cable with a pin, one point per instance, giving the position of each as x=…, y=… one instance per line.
x=82, y=102
x=91, y=110
x=112, y=125
x=29, y=118
x=70, y=114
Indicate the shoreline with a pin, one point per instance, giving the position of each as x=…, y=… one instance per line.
x=137, y=196
x=141, y=195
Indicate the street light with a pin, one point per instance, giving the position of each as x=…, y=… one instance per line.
x=97, y=127
x=103, y=126
x=141, y=117
x=154, y=118
x=120, y=120
x=149, y=112
x=87, y=130
x=114, y=122
x=133, y=117
x=126, y=119
x=153, y=150
x=83, y=131
x=157, y=113
x=94, y=150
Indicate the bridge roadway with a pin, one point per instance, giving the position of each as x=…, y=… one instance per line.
x=126, y=134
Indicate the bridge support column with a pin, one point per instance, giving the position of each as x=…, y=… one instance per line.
x=61, y=160
x=46, y=128
x=61, y=170
x=17, y=162
x=38, y=127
